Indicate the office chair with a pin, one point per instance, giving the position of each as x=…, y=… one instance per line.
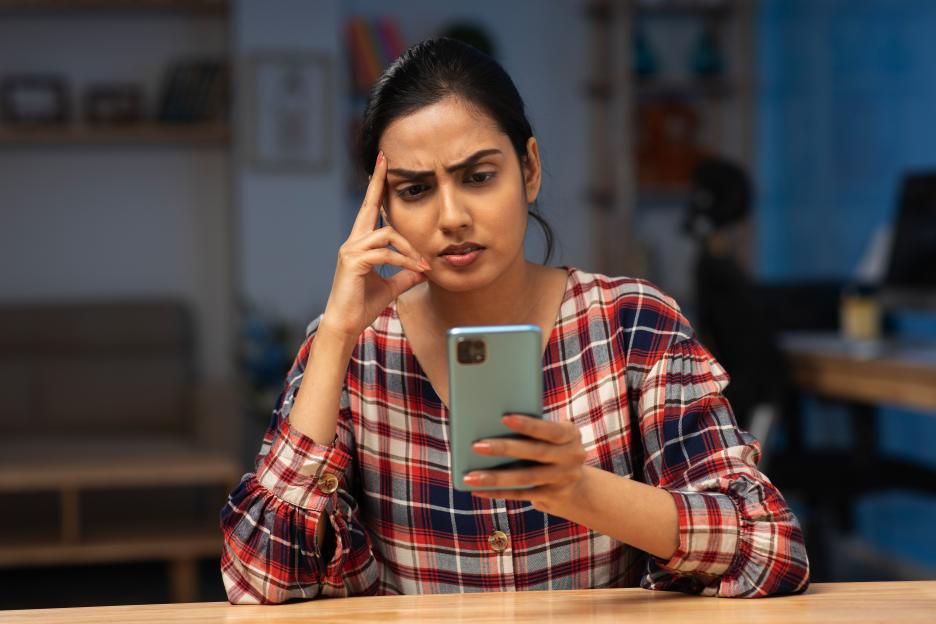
x=730, y=320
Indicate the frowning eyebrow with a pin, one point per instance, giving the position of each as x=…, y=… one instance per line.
x=409, y=174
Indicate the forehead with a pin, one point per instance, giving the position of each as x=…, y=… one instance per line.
x=440, y=134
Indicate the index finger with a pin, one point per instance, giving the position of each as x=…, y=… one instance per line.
x=555, y=432
x=367, y=216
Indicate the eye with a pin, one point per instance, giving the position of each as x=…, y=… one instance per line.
x=412, y=192
x=480, y=177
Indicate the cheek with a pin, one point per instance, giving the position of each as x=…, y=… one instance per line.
x=511, y=214
x=413, y=227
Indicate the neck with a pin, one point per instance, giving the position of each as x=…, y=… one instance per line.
x=509, y=299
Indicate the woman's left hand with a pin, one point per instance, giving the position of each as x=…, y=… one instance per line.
x=557, y=445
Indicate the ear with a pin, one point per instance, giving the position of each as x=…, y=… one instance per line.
x=531, y=167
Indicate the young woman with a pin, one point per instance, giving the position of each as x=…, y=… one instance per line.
x=646, y=477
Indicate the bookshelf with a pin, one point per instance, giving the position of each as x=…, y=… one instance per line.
x=640, y=91
x=211, y=131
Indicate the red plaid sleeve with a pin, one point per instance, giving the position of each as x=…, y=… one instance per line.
x=737, y=536
x=271, y=518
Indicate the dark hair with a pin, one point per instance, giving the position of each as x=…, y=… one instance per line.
x=433, y=70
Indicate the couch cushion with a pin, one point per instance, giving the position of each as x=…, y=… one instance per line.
x=95, y=367
x=106, y=326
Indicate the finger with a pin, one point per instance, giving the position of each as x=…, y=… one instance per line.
x=367, y=215
x=522, y=449
x=531, y=494
x=514, y=477
x=550, y=431
x=383, y=255
x=389, y=236
x=403, y=281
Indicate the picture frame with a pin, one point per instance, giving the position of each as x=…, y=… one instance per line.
x=34, y=99
x=109, y=104
x=289, y=111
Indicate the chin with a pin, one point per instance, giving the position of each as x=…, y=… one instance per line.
x=460, y=280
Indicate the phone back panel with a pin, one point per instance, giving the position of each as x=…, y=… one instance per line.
x=509, y=380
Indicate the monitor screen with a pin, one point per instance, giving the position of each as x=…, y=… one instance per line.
x=912, y=265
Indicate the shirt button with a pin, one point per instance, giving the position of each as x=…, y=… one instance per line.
x=498, y=541
x=328, y=483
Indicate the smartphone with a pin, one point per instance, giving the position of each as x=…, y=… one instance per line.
x=493, y=370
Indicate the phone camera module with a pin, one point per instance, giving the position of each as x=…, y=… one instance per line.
x=471, y=351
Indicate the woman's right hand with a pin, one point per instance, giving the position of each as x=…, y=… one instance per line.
x=358, y=293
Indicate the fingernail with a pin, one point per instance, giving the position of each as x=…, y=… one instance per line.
x=484, y=447
x=475, y=478
x=379, y=156
x=424, y=264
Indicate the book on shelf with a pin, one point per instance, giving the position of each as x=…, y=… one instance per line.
x=372, y=46
x=194, y=90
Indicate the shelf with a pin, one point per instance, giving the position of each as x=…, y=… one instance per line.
x=209, y=7
x=204, y=134
x=678, y=196
x=684, y=8
x=684, y=89
x=131, y=466
x=172, y=543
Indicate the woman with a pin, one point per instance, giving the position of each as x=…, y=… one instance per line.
x=646, y=477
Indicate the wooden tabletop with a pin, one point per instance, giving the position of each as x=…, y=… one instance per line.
x=912, y=601
x=879, y=372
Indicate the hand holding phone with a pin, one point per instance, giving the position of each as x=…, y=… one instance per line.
x=493, y=371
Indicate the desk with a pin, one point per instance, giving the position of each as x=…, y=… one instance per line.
x=883, y=372
x=911, y=601
x=863, y=375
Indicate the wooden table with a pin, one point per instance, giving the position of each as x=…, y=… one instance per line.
x=883, y=372
x=913, y=601
x=862, y=376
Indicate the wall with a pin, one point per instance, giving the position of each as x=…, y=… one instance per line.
x=847, y=95
x=290, y=224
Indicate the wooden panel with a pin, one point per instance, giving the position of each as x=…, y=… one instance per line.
x=876, y=381
x=854, y=603
x=122, y=468
x=142, y=546
x=210, y=134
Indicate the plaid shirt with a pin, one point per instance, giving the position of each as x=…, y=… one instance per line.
x=623, y=363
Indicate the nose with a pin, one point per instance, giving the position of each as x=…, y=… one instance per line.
x=453, y=214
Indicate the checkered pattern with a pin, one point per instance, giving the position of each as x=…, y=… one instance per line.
x=623, y=364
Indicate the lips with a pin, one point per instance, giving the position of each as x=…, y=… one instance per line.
x=461, y=255
x=461, y=249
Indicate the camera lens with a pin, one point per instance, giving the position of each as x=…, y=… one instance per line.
x=471, y=351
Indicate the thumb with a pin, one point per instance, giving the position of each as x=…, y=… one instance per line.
x=404, y=280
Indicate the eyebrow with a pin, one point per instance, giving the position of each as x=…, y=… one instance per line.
x=409, y=174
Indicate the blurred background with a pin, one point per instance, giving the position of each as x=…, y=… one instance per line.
x=176, y=177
